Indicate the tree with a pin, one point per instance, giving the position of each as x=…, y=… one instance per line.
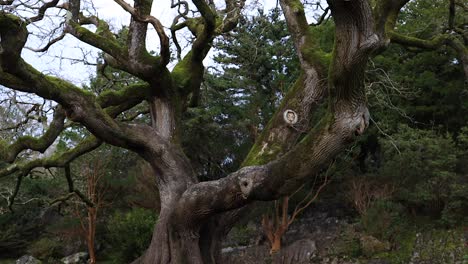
x=96, y=191
x=195, y=215
x=240, y=91
x=275, y=225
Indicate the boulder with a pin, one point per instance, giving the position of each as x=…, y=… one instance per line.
x=77, y=258
x=371, y=245
x=27, y=259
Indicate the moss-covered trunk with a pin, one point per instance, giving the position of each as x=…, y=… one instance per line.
x=195, y=215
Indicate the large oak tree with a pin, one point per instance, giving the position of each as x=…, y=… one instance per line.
x=196, y=215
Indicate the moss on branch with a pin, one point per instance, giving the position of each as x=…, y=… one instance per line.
x=433, y=43
x=57, y=160
x=9, y=153
x=305, y=40
x=98, y=40
x=139, y=92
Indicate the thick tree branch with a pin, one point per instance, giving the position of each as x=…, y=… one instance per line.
x=58, y=160
x=232, y=14
x=48, y=45
x=136, y=92
x=304, y=96
x=9, y=153
x=434, y=43
x=313, y=60
x=100, y=41
x=164, y=40
x=386, y=14
x=79, y=105
x=349, y=118
x=42, y=11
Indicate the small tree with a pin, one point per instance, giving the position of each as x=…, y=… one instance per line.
x=275, y=225
x=363, y=193
x=95, y=191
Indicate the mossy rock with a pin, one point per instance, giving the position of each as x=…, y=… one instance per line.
x=371, y=246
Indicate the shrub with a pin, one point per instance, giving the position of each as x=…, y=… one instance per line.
x=422, y=168
x=383, y=219
x=45, y=249
x=130, y=234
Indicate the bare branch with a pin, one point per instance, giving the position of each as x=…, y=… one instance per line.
x=46, y=47
x=11, y=199
x=164, y=40
x=322, y=17
x=42, y=11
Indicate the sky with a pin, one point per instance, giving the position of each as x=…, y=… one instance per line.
x=63, y=58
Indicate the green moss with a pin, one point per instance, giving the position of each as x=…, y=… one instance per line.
x=405, y=242
x=297, y=7
x=8, y=21
x=195, y=25
x=112, y=97
x=260, y=155
x=3, y=147
x=46, y=248
x=313, y=52
x=103, y=30
x=347, y=244
x=145, y=6
x=183, y=72
x=108, y=45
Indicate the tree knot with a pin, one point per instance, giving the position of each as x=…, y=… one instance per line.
x=245, y=185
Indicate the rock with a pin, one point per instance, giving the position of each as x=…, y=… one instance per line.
x=27, y=259
x=371, y=245
x=300, y=251
x=77, y=258
x=70, y=246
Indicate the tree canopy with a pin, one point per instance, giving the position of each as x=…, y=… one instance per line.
x=151, y=102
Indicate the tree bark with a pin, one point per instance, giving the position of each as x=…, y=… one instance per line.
x=194, y=215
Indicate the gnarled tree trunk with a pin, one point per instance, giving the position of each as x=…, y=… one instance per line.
x=194, y=215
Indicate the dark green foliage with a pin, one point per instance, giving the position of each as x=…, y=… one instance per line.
x=46, y=249
x=241, y=235
x=258, y=64
x=430, y=82
x=384, y=220
x=254, y=67
x=348, y=243
x=130, y=234
x=422, y=166
x=26, y=222
x=17, y=230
